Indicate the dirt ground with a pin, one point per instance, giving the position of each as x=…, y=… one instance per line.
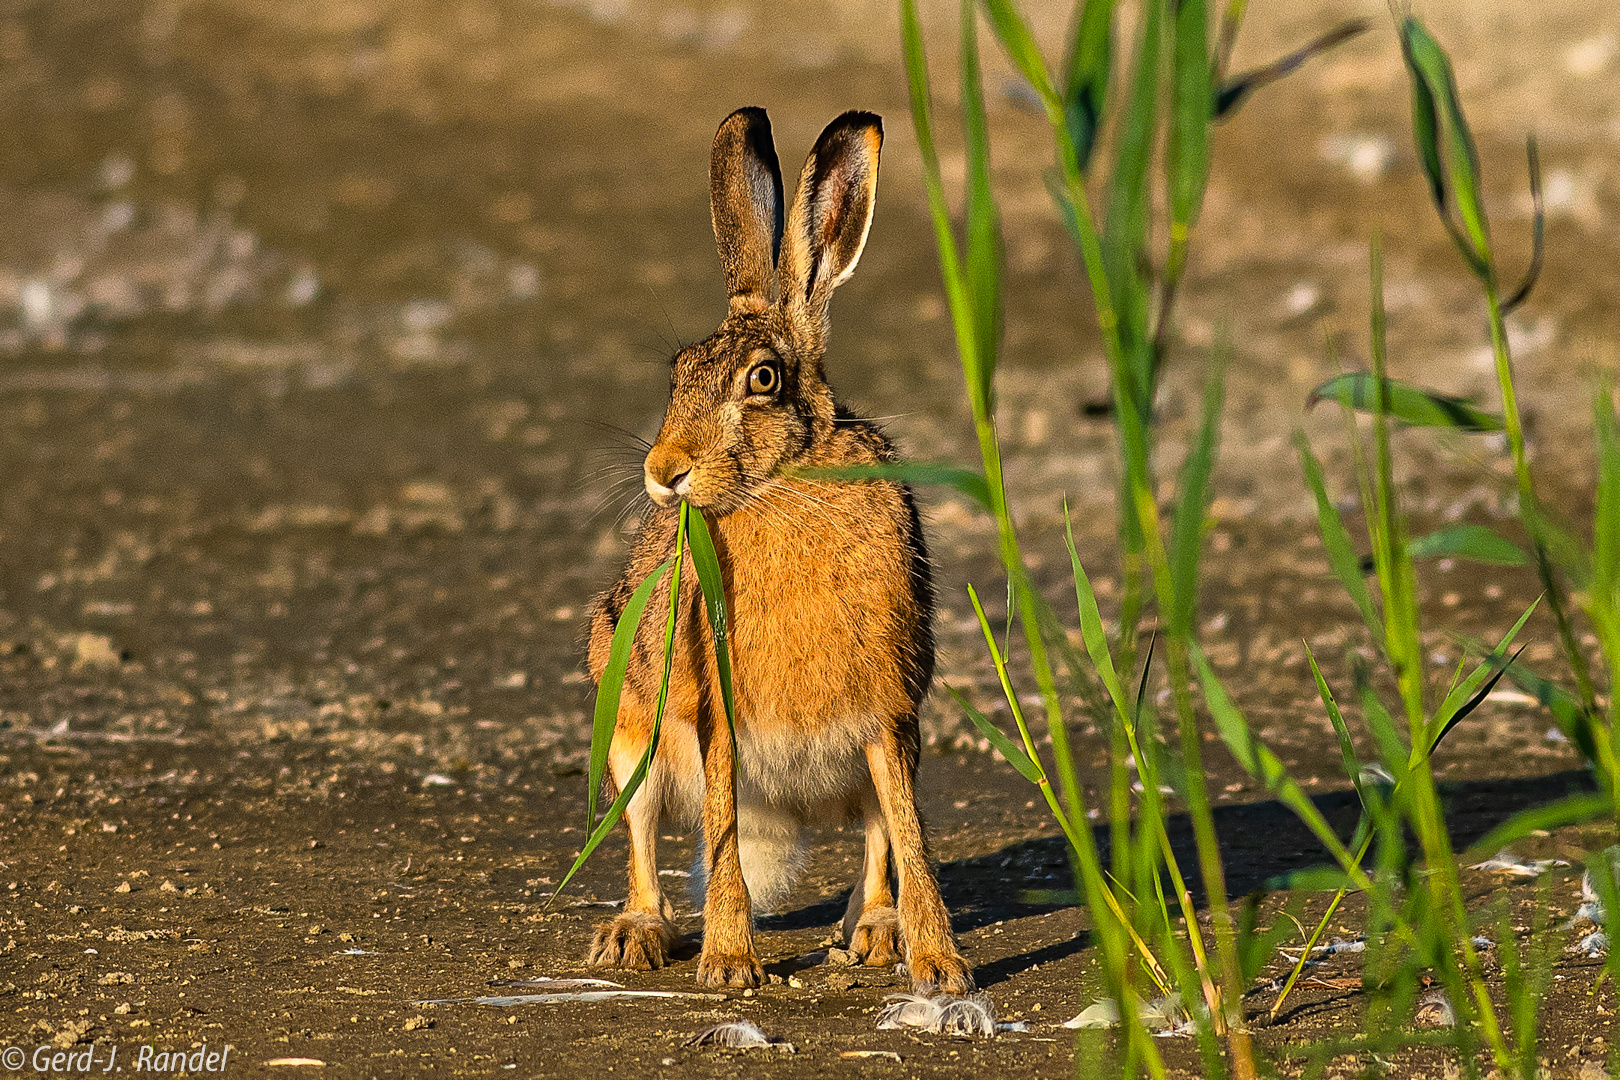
x=310, y=318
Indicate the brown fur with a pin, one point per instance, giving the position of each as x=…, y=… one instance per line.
x=827, y=585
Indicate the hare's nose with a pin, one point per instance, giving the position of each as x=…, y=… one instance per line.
x=668, y=478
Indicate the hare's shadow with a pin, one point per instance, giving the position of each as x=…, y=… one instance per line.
x=1259, y=842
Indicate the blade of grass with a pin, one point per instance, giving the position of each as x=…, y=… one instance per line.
x=712, y=584
x=1410, y=405
x=1474, y=542
x=1233, y=92
x=1570, y=810
x=1008, y=749
x=616, y=810
x=1085, y=77
x=1445, y=146
x=1336, y=541
x=966, y=481
x=612, y=685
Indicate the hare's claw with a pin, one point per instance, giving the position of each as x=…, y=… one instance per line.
x=636, y=940
x=945, y=973
x=877, y=938
x=718, y=970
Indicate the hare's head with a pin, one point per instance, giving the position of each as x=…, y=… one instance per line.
x=753, y=397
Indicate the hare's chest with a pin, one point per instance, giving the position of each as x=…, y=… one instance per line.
x=817, y=624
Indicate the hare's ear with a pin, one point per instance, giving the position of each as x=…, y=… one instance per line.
x=831, y=212
x=745, y=201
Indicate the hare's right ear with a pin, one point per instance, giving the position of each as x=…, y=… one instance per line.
x=831, y=213
x=745, y=201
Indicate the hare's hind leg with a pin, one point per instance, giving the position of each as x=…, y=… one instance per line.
x=642, y=937
x=871, y=925
x=931, y=954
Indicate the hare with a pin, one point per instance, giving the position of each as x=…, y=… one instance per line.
x=827, y=585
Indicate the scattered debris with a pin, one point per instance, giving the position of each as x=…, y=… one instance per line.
x=1505, y=862
x=942, y=1014
x=842, y=958
x=739, y=1035
x=887, y=1055
x=418, y=1023
x=1334, y=947
x=1593, y=944
x=1434, y=1010
x=437, y=780
x=508, y=1000
x=548, y=983
x=1365, y=155
x=312, y=1062
x=1165, y=1016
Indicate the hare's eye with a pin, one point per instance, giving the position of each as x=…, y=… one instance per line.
x=764, y=379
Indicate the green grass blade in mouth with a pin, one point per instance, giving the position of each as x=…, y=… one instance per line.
x=713, y=586
x=612, y=685
x=639, y=774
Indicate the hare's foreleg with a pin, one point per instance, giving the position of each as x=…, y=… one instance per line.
x=931, y=954
x=642, y=937
x=871, y=925
x=728, y=923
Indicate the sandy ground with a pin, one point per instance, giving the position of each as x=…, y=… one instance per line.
x=309, y=314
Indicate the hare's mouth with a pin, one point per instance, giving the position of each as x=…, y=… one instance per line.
x=667, y=493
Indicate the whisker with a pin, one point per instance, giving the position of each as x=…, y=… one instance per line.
x=623, y=432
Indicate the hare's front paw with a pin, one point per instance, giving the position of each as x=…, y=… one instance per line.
x=720, y=970
x=945, y=973
x=877, y=937
x=637, y=940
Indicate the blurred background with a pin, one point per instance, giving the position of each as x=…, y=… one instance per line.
x=312, y=314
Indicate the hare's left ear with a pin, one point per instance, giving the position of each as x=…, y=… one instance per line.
x=745, y=204
x=831, y=212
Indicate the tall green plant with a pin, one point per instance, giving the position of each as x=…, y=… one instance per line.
x=1176, y=92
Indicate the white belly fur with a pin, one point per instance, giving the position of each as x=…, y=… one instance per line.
x=788, y=780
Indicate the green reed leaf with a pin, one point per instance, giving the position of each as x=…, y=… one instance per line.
x=1410, y=405
x=1473, y=542
x=1336, y=541
x=1571, y=810
x=967, y=481
x=1192, y=109
x=1192, y=503
x=977, y=369
x=1019, y=42
x=1015, y=755
x=983, y=220
x=1085, y=77
x=1465, y=696
x=1347, y=746
x=1233, y=92
x=1445, y=145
